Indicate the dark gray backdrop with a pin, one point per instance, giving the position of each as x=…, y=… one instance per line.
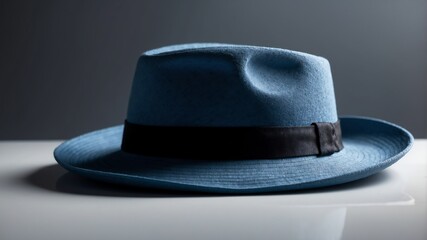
x=66, y=66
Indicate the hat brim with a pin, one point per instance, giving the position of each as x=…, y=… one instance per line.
x=370, y=145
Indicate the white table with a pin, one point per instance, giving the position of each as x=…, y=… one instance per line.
x=40, y=200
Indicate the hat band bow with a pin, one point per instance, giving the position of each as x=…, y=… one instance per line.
x=232, y=142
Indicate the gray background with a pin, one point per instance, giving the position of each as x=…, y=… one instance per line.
x=67, y=66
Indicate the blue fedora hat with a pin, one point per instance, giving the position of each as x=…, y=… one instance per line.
x=234, y=119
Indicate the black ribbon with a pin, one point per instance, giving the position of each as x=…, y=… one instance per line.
x=232, y=142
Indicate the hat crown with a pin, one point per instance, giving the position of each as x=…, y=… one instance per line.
x=231, y=85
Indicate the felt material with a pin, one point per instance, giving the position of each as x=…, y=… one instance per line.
x=222, y=85
x=369, y=146
x=231, y=85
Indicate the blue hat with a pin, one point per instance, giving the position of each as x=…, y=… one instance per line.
x=234, y=119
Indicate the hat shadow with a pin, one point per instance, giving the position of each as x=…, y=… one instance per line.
x=56, y=179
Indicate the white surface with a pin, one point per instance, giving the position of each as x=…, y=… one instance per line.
x=40, y=200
